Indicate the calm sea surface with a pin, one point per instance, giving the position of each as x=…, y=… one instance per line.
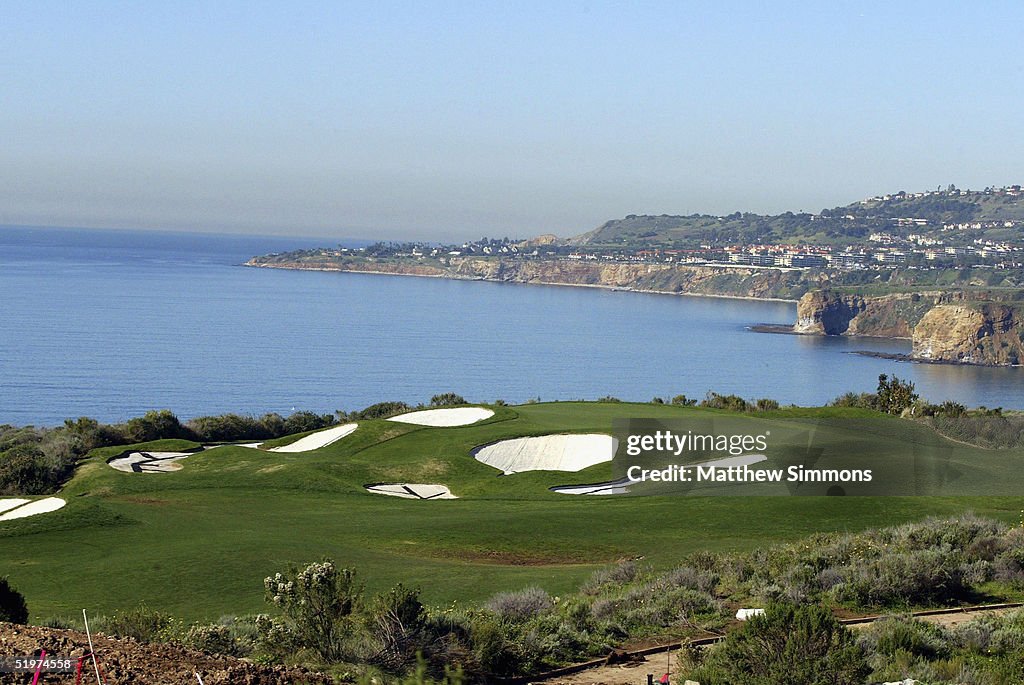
x=110, y=324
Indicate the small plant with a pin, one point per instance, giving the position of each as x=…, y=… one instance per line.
x=12, y=604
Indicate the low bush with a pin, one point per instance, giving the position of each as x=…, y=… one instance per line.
x=787, y=645
x=519, y=606
x=12, y=604
x=447, y=399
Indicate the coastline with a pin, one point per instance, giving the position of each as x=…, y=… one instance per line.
x=454, y=277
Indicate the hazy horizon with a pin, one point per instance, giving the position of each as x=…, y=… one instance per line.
x=397, y=121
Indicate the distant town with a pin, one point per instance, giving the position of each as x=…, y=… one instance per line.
x=879, y=238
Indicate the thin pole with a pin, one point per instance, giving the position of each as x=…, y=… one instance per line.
x=95, y=665
x=39, y=667
x=200, y=680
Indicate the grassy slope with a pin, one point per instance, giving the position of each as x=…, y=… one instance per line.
x=198, y=542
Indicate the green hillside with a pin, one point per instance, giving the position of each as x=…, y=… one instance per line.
x=838, y=225
x=198, y=542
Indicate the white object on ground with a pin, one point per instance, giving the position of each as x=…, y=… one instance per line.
x=413, y=490
x=12, y=502
x=744, y=614
x=730, y=462
x=149, y=462
x=250, y=445
x=39, y=506
x=443, y=418
x=315, y=441
x=612, y=487
x=548, y=453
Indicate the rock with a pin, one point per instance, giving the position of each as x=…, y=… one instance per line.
x=986, y=333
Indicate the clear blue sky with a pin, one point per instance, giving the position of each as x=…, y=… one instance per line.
x=454, y=120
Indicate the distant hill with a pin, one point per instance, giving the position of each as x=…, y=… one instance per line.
x=840, y=225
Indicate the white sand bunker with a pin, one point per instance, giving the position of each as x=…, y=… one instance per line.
x=315, y=441
x=456, y=416
x=612, y=487
x=413, y=490
x=149, y=462
x=548, y=453
x=21, y=508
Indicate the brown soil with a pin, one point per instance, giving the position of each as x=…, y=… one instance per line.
x=127, y=661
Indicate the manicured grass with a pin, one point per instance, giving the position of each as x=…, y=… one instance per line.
x=198, y=542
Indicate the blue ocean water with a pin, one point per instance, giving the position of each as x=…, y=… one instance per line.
x=110, y=324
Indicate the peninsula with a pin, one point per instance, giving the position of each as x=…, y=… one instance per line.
x=944, y=268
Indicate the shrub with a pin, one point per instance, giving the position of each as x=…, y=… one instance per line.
x=142, y=624
x=895, y=395
x=447, y=399
x=1009, y=566
x=212, y=639
x=12, y=604
x=317, y=604
x=786, y=645
x=918, y=577
x=381, y=410
x=155, y=425
x=893, y=634
x=690, y=577
x=305, y=421
x=683, y=401
x=727, y=402
x=519, y=606
x=620, y=574
x=23, y=471
x=398, y=621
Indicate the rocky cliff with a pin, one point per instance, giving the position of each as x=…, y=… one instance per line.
x=827, y=312
x=943, y=327
x=987, y=333
x=663, y=278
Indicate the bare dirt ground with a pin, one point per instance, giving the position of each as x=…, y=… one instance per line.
x=127, y=661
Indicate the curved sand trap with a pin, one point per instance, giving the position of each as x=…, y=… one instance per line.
x=612, y=487
x=548, y=453
x=315, y=441
x=413, y=490
x=443, y=418
x=149, y=462
x=24, y=508
x=6, y=504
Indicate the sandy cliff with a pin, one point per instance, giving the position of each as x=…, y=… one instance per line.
x=943, y=327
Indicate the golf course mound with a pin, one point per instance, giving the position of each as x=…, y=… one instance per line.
x=548, y=453
x=17, y=508
x=412, y=490
x=149, y=462
x=445, y=418
x=315, y=441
